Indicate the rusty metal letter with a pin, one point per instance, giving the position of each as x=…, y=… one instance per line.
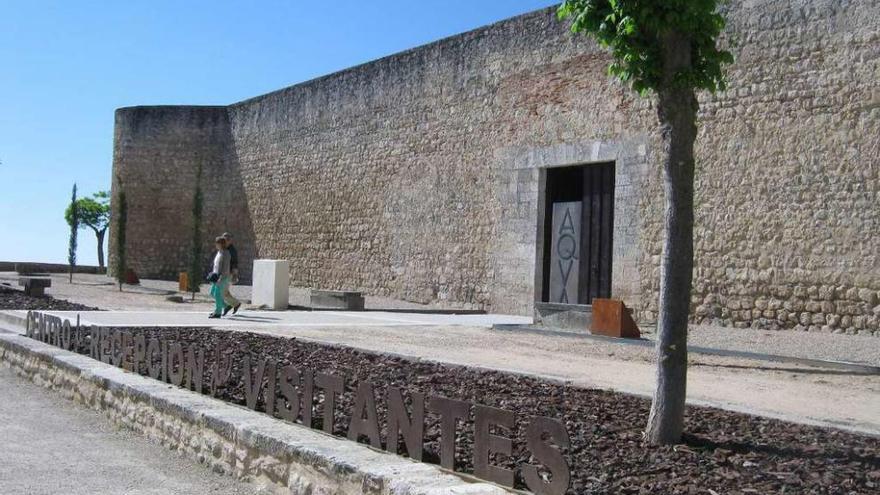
x=308, y=397
x=195, y=368
x=365, y=402
x=80, y=340
x=221, y=370
x=50, y=329
x=548, y=455
x=140, y=351
x=52, y=333
x=269, y=396
x=176, y=372
x=41, y=327
x=66, y=335
x=485, y=443
x=332, y=385
x=56, y=334
x=29, y=324
x=164, y=359
x=127, y=352
x=35, y=331
x=401, y=424
x=253, y=384
x=290, y=380
x=153, y=365
x=116, y=348
x=59, y=324
x=450, y=411
x=94, y=342
x=106, y=345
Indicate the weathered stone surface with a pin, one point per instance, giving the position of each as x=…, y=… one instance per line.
x=418, y=176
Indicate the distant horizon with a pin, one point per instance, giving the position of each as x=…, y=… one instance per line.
x=73, y=66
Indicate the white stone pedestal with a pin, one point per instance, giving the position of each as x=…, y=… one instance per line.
x=271, y=286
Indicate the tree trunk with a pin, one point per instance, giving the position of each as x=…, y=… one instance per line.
x=99, y=234
x=677, y=111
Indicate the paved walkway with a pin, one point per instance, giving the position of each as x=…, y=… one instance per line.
x=100, y=291
x=284, y=319
x=798, y=393
x=54, y=446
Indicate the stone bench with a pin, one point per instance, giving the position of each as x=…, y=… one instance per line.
x=35, y=286
x=337, y=299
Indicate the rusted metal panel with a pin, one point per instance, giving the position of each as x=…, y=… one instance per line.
x=486, y=443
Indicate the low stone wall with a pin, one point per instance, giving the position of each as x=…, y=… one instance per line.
x=227, y=438
x=28, y=267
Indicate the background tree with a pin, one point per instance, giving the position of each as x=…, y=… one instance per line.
x=195, y=272
x=74, y=226
x=94, y=213
x=668, y=47
x=121, y=221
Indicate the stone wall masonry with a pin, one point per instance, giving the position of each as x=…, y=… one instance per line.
x=286, y=458
x=405, y=177
x=789, y=172
x=418, y=176
x=156, y=153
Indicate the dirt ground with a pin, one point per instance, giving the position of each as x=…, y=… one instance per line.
x=723, y=451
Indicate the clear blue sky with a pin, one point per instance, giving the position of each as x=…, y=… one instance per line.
x=65, y=66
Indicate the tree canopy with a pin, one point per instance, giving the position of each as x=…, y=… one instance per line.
x=633, y=31
x=93, y=212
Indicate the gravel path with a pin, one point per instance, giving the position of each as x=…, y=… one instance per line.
x=102, y=291
x=52, y=446
x=797, y=393
x=833, y=347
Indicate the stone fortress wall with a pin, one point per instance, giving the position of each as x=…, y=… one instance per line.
x=419, y=176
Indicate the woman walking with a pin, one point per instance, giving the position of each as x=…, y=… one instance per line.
x=219, y=276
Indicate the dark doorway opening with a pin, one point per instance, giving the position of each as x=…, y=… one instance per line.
x=577, y=237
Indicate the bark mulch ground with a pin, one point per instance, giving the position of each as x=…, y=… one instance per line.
x=723, y=452
x=16, y=299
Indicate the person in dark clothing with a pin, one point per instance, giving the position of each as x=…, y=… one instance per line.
x=230, y=300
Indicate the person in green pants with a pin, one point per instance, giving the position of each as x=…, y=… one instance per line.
x=231, y=302
x=219, y=276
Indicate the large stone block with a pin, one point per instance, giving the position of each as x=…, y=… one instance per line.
x=566, y=317
x=271, y=285
x=337, y=299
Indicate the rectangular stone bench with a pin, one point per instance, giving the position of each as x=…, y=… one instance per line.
x=35, y=286
x=337, y=299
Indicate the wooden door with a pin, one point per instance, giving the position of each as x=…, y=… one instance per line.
x=597, y=225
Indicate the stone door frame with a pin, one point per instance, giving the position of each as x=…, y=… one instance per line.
x=631, y=166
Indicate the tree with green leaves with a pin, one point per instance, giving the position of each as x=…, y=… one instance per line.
x=121, y=221
x=194, y=275
x=74, y=226
x=93, y=213
x=669, y=48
